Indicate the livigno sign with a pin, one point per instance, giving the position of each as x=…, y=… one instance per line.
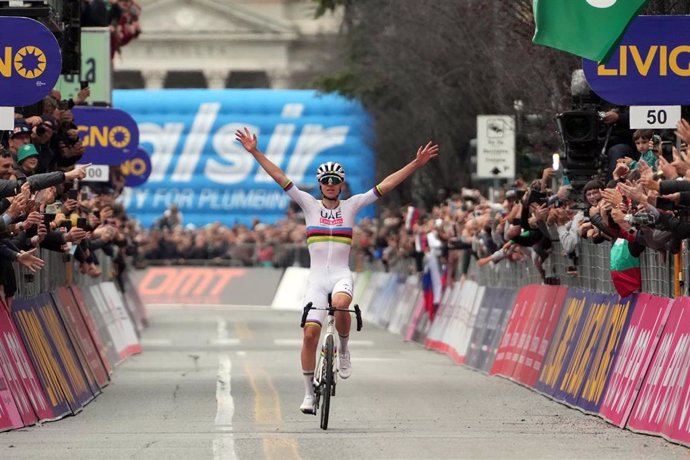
x=650, y=66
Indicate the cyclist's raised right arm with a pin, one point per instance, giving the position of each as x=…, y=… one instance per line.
x=248, y=141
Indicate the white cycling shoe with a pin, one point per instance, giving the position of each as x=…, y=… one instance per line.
x=344, y=365
x=308, y=405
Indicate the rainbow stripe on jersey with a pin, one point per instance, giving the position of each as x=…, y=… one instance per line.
x=329, y=235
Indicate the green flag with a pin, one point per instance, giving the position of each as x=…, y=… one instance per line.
x=587, y=28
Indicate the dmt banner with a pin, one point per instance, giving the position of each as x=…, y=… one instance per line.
x=30, y=62
x=109, y=135
x=633, y=359
x=198, y=165
x=663, y=405
x=651, y=64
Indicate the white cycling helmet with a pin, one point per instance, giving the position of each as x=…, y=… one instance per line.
x=330, y=170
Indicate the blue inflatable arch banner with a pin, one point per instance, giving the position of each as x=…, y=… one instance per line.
x=197, y=164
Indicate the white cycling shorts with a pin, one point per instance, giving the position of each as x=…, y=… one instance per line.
x=324, y=281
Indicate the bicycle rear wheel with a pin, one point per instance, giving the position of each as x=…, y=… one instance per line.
x=327, y=382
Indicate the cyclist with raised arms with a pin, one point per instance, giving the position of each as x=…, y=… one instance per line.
x=329, y=237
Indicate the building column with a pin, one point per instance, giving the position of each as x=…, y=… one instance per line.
x=216, y=78
x=153, y=79
x=280, y=78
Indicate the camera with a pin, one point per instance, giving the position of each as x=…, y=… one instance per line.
x=40, y=130
x=667, y=150
x=640, y=219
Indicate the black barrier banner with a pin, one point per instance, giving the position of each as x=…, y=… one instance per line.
x=98, y=339
x=492, y=317
x=86, y=349
x=21, y=377
x=51, y=351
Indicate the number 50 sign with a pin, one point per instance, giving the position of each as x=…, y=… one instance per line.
x=654, y=117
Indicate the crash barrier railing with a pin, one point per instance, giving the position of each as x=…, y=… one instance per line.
x=624, y=360
x=61, y=338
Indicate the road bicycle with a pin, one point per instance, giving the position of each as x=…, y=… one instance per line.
x=326, y=372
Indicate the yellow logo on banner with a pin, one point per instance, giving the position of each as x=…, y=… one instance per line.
x=135, y=167
x=29, y=62
x=106, y=136
x=657, y=60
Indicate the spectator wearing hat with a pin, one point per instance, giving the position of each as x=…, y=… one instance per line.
x=20, y=135
x=27, y=159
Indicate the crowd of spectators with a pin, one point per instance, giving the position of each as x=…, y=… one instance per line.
x=45, y=203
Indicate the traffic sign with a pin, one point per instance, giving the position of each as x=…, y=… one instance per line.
x=495, y=147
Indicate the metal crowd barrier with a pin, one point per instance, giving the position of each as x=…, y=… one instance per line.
x=59, y=270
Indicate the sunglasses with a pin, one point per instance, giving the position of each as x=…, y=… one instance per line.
x=330, y=180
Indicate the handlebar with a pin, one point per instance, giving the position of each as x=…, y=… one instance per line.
x=330, y=310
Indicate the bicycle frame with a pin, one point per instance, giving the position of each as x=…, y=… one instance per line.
x=326, y=372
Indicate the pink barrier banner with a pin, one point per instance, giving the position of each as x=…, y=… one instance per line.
x=663, y=405
x=536, y=336
x=20, y=375
x=508, y=353
x=84, y=345
x=9, y=414
x=98, y=339
x=635, y=354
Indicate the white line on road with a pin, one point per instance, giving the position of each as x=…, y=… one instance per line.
x=155, y=342
x=225, y=341
x=224, y=443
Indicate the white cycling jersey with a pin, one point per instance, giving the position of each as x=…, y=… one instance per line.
x=329, y=231
x=329, y=238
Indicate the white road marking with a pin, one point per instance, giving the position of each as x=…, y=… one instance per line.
x=224, y=443
x=225, y=341
x=298, y=343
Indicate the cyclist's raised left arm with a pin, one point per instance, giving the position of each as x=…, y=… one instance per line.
x=249, y=142
x=424, y=154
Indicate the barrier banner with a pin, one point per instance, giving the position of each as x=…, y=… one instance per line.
x=289, y=294
x=51, y=351
x=596, y=356
x=9, y=414
x=641, y=339
x=408, y=299
x=122, y=325
x=458, y=290
x=583, y=349
x=437, y=331
x=459, y=333
x=67, y=306
x=134, y=304
x=378, y=282
x=536, y=340
x=492, y=317
x=575, y=308
x=101, y=338
x=508, y=353
x=20, y=375
x=207, y=285
x=532, y=334
x=379, y=309
x=110, y=319
x=419, y=323
x=663, y=405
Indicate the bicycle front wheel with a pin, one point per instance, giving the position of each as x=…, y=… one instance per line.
x=327, y=382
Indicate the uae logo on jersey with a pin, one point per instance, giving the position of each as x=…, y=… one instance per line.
x=331, y=217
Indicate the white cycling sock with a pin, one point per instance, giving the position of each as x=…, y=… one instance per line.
x=343, y=343
x=308, y=382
